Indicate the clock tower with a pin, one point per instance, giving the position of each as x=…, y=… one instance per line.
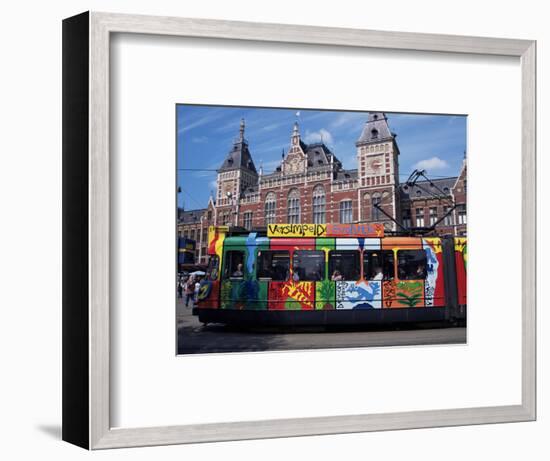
x=378, y=170
x=236, y=174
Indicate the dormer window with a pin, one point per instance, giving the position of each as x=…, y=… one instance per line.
x=374, y=133
x=320, y=162
x=375, y=116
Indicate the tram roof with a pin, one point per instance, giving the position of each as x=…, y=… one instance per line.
x=342, y=231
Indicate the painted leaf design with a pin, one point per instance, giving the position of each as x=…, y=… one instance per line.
x=410, y=300
x=325, y=295
x=301, y=292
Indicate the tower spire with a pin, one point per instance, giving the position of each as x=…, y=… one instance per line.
x=295, y=138
x=241, y=131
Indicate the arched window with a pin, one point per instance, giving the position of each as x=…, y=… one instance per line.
x=376, y=199
x=293, y=207
x=319, y=204
x=270, y=206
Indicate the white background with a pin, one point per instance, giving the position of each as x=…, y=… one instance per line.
x=149, y=76
x=31, y=240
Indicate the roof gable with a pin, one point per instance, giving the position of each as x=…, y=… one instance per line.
x=376, y=129
x=238, y=157
x=318, y=154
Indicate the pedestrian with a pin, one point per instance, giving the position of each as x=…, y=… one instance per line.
x=189, y=291
x=180, y=288
x=197, y=288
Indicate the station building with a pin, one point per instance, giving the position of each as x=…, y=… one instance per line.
x=311, y=186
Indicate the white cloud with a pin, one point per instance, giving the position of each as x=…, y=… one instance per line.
x=349, y=118
x=209, y=118
x=434, y=163
x=273, y=126
x=316, y=136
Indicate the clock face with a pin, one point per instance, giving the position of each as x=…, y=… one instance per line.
x=227, y=188
x=294, y=165
x=376, y=164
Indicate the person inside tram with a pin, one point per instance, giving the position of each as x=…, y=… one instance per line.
x=421, y=271
x=239, y=271
x=378, y=273
x=336, y=276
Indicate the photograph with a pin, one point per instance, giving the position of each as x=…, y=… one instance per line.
x=309, y=229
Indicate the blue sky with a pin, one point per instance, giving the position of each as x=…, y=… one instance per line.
x=205, y=135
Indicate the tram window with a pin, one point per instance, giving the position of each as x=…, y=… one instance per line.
x=378, y=265
x=411, y=264
x=344, y=265
x=212, y=271
x=234, y=265
x=273, y=265
x=308, y=266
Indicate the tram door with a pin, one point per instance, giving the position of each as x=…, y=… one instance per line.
x=240, y=286
x=233, y=279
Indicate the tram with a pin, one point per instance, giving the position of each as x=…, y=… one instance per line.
x=331, y=274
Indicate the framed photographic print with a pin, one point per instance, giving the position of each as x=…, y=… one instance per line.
x=295, y=228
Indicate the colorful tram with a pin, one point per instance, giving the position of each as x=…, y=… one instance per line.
x=323, y=274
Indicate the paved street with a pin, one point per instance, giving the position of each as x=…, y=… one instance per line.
x=194, y=338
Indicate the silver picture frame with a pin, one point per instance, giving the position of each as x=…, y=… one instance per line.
x=86, y=229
